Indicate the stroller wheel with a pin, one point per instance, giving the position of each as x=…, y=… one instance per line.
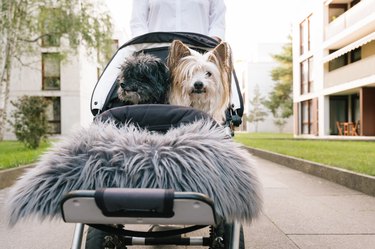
x=96, y=239
x=228, y=237
x=222, y=237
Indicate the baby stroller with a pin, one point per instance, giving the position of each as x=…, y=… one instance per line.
x=119, y=206
x=104, y=96
x=87, y=180
x=157, y=207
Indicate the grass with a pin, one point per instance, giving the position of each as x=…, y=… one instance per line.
x=357, y=156
x=14, y=154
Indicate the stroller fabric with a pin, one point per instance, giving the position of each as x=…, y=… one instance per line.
x=154, y=117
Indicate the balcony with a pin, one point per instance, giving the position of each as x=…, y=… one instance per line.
x=350, y=26
x=357, y=70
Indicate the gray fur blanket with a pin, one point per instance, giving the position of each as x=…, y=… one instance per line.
x=195, y=157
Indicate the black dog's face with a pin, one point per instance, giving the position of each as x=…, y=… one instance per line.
x=144, y=79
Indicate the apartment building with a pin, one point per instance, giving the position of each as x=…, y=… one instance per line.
x=334, y=69
x=67, y=83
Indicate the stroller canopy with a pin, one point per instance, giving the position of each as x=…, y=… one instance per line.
x=157, y=44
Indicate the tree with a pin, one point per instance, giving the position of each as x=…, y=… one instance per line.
x=26, y=24
x=279, y=121
x=30, y=121
x=257, y=113
x=280, y=99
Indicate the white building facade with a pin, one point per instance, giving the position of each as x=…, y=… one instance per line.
x=67, y=83
x=334, y=68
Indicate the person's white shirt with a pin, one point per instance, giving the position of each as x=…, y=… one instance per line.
x=198, y=16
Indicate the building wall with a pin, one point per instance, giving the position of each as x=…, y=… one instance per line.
x=259, y=73
x=28, y=81
x=357, y=70
x=70, y=91
x=368, y=111
x=368, y=49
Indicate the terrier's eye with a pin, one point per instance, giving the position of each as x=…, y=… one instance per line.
x=208, y=74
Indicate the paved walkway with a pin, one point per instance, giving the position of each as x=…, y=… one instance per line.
x=303, y=211
x=300, y=211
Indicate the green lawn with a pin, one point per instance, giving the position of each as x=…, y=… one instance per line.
x=358, y=156
x=14, y=154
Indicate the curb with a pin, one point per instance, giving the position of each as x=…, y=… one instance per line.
x=352, y=180
x=9, y=176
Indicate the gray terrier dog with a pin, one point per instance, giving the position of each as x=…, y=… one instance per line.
x=143, y=79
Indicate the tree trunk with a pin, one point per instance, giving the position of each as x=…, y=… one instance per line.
x=4, y=90
x=5, y=71
x=9, y=31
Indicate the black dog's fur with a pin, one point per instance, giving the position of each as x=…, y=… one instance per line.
x=144, y=79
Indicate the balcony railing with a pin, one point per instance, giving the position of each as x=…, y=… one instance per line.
x=360, y=12
x=357, y=70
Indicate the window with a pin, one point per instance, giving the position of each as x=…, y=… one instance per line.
x=310, y=74
x=306, y=114
x=50, y=71
x=304, y=77
x=337, y=62
x=336, y=10
x=354, y=2
x=307, y=82
x=338, y=112
x=102, y=57
x=115, y=45
x=345, y=59
x=305, y=35
x=355, y=55
x=355, y=107
x=54, y=115
x=49, y=38
x=98, y=73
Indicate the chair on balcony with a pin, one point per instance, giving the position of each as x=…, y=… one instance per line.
x=346, y=128
x=339, y=128
x=356, y=129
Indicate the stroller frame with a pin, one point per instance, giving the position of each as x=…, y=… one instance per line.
x=188, y=208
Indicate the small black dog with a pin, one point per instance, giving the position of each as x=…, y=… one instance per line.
x=144, y=79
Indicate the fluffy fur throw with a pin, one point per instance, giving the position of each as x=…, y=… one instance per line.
x=195, y=157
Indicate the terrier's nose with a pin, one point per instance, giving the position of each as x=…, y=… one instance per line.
x=123, y=86
x=198, y=85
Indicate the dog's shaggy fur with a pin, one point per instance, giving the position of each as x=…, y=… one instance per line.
x=195, y=157
x=199, y=80
x=143, y=79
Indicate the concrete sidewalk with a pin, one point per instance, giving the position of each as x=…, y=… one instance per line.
x=300, y=211
x=304, y=211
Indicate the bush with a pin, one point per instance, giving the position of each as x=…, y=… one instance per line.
x=30, y=120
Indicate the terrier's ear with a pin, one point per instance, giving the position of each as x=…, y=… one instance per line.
x=221, y=55
x=177, y=51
